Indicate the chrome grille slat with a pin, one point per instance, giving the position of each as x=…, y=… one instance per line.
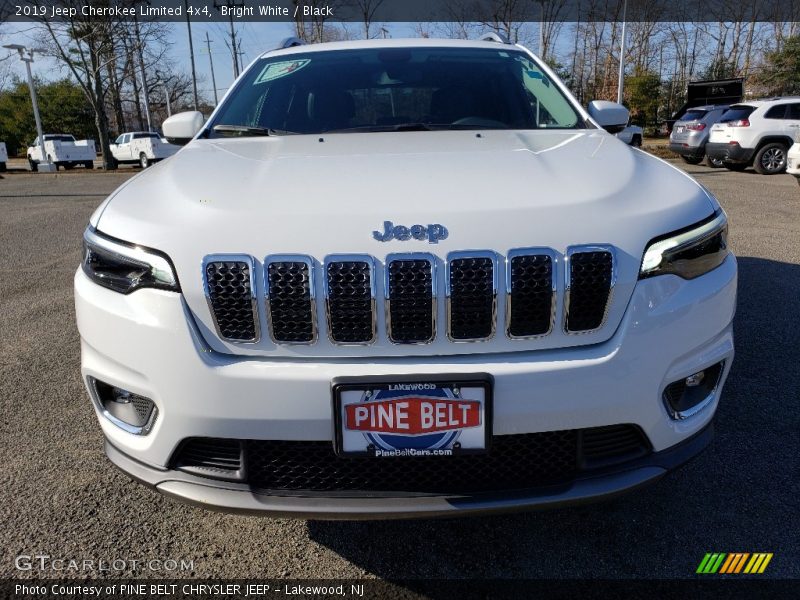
x=350, y=299
x=411, y=298
x=471, y=287
x=591, y=274
x=290, y=301
x=229, y=286
x=531, y=292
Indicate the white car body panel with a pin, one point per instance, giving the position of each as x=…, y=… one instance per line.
x=793, y=164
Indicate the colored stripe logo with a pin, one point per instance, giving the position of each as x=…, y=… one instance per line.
x=731, y=563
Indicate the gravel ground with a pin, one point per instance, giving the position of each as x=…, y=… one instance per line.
x=60, y=496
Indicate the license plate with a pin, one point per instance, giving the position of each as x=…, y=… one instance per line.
x=416, y=417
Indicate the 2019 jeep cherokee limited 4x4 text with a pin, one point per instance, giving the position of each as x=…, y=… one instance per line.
x=399, y=278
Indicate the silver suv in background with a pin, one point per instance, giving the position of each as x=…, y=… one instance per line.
x=690, y=134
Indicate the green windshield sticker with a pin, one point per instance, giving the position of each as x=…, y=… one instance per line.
x=280, y=69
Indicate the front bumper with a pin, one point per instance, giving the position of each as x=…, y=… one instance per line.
x=147, y=343
x=730, y=153
x=239, y=498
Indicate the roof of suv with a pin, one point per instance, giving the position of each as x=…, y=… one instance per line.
x=388, y=43
x=767, y=101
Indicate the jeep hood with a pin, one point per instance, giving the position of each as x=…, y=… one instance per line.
x=320, y=195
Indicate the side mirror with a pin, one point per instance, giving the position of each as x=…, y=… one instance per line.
x=181, y=128
x=610, y=116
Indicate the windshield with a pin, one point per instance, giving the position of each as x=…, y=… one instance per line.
x=386, y=89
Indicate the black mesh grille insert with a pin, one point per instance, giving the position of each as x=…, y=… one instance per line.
x=411, y=300
x=211, y=457
x=290, y=305
x=350, y=310
x=590, y=286
x=515, y=462
x=531, y=295
x=231, y=299
x=472, y=298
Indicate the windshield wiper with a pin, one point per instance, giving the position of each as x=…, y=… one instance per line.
x=383, y=128
x=243, y=130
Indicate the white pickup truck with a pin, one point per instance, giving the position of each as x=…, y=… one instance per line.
x=141, y=147
x=3, y=157
x=63, y=150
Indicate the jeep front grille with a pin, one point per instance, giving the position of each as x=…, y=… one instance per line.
x=411, y=283
x=471, y=295
x=350, y=297
x=290, y=299
x=411, y=298
x=589, y=286
x=531, y=297
x=230, y=291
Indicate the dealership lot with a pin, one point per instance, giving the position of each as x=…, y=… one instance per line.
x=59, y=496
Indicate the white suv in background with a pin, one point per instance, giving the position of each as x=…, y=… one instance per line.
x=757, y=133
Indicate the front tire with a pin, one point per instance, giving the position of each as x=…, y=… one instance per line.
x=692, y=160
x=33, y=164
x=144, y=162
x=636, y=142
x=771, y=159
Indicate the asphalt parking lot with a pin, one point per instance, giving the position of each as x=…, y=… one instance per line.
x=60, y=496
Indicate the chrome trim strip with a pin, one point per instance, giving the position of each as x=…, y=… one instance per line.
x=309, y=262
x=534, y=251
x=399, y=256
x=127, y=427
x=700, y=406
x=571, y=250
x=245, y=258
x=339, y=258
x=447, y=287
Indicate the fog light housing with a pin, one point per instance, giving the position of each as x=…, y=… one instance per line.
x=131, y=412
x=688, y=396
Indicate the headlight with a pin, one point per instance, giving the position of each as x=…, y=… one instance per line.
x=124, y=268
x=690, y=252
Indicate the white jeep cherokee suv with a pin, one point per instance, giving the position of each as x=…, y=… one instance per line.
x=404, y=278
x=758, y=133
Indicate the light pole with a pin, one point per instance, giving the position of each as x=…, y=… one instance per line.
x=45, y=166
x=621, y=77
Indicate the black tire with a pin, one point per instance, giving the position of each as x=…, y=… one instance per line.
x=69, y=166
x=89, y=164
x=692, y=160
x=714, y=163
x=2, y=167
x=33, y=165
x=735, y=166
x=636, y=141
x=771, y=159
x=144, y=162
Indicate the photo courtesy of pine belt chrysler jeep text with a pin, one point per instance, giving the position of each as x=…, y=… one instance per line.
x=399, y=278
